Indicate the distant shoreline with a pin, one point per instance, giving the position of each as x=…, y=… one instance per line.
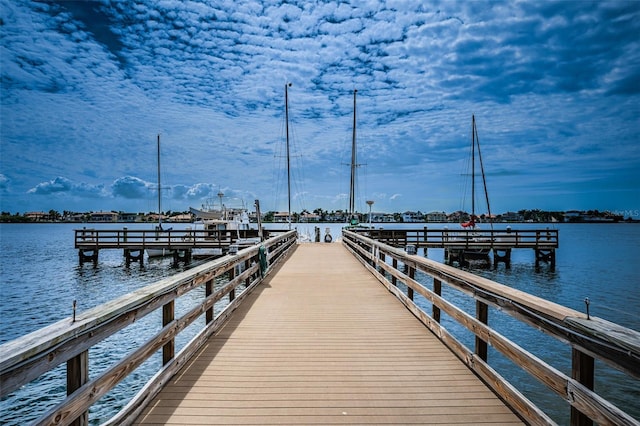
x=591, y=222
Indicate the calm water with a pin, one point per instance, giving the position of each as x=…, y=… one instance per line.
x=40, y=279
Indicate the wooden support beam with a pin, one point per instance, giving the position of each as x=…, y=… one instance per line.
x=169, y=348
x=437, y=289
x=232, y=293
x=482, y=315
x=208, y=291
x=78, y=375
x=394, y=280
x=582, y=370
x=412, y=273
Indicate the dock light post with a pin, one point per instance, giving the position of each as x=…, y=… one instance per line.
x=369, y=203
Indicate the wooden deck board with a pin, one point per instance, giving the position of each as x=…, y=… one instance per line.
x=322, y=342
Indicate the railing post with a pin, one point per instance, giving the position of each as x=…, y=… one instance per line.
x=482, y=315
x=582, y=370
x=247, y=265
x=394, y=280
x=208, y=291
x=232, y=275
x=78, y=375
x=412, y=273
x=437, y=289
x=169, y=348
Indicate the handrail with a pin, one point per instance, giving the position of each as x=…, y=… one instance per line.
x=27, y=358
x=89, y=238
x=589, y=337
x=450, y=238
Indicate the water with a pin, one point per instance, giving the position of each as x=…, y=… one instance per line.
x=40, y=278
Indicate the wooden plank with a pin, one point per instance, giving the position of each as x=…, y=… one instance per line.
x=322, y=342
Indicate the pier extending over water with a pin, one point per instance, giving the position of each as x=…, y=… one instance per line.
x=464, y=245
x=337, y=349
x=305, y=321
x=179, y=243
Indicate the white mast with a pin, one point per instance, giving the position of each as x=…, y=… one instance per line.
x=286, y=113
x=352, y=187
x=159, y=193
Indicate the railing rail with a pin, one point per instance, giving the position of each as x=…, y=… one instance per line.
x=465, y=238
x=589, y=337
x=27, y=358
x=89, y=239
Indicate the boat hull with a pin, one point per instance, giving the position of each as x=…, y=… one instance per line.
x=156, y=253
x=202, y=214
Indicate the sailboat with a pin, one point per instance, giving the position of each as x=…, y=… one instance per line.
x=475, y=142
x=160, y=252
x=471, y=224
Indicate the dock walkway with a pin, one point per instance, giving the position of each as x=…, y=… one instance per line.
x=321, y=341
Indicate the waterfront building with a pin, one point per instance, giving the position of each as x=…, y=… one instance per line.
x=103, y=217
x=436, y=217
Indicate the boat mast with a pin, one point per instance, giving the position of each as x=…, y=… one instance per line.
x=352, y=187
x=473, y=168
x=286, y=113
x=223, y=213
x=159, y=193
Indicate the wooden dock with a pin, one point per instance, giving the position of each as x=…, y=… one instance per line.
x=321, y=342
x=323, y=334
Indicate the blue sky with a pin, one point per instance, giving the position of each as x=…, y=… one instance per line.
x=87, y=86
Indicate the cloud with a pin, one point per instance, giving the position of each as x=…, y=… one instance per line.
x=88, y=85
x=131, y=187
x=62, y=185
x=134, y=188
x=199, y=191
x=59, y=184
x=4, y=183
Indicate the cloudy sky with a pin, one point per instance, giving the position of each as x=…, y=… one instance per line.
x=88, y=86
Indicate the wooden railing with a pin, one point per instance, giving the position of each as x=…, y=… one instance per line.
x=92, y=239
x=588, y=337
x=465, y=238
x=27, y=358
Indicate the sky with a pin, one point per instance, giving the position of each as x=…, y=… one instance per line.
x=87, y=87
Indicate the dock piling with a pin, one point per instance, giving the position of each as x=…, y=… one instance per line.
x=132, y=255
x=503, y=256
x=90, y=255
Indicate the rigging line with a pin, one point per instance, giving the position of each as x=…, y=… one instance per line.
x=361, y=189
x=465, y=182
x=484, y=180
x=298, y=169
x=278, y=160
